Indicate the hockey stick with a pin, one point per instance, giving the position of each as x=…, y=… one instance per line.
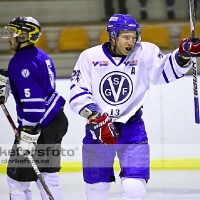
x=30, y=158
x=194, y=66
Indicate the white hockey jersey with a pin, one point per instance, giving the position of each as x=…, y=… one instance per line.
x=119, y=86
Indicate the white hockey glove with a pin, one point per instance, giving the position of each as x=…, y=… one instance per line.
x=28, y=139
x=4, y=86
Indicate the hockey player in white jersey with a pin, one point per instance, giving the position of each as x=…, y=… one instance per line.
x=109, y=86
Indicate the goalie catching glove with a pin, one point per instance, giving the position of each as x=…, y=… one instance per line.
x=4, y=86
x=104, y=130
x=28, y=139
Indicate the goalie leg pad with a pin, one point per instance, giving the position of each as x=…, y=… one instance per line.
x=97, y=191
x=133, y=189
x=52, y=181
x=18, y=190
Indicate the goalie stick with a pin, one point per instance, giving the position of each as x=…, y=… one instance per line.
x=30, y=158
x=194, y=61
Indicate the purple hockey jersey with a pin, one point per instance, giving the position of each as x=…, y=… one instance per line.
x=32, y=81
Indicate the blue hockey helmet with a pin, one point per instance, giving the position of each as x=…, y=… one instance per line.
x=121, y=22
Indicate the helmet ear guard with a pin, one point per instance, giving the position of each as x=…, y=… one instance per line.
x=34, y=35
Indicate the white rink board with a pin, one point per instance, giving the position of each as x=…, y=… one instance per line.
x=168, y=115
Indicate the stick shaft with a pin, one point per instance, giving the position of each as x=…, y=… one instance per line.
x=194, y=66
x=10, y=120
x=30, y=158
x=192, y=18
x=37, y=171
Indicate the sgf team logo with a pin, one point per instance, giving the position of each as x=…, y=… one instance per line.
x=116, y=88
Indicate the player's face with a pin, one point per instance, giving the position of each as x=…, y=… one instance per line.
x=125, y=41
x=13, y=43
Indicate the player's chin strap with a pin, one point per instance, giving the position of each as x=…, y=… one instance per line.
x=19, y=43
x=112, y=50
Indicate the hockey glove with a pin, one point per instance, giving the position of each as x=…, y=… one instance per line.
x=190, y=47
x=4, y=86
x=104, y=130
x=28, y=139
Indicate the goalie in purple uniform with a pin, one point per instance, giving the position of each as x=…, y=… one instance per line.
x=40, y=114
x=109, y=86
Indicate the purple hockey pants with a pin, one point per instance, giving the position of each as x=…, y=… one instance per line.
x=132, y=150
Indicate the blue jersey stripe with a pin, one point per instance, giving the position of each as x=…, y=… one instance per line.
x=165, y=76
x=78, y=95
x=171, y=63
